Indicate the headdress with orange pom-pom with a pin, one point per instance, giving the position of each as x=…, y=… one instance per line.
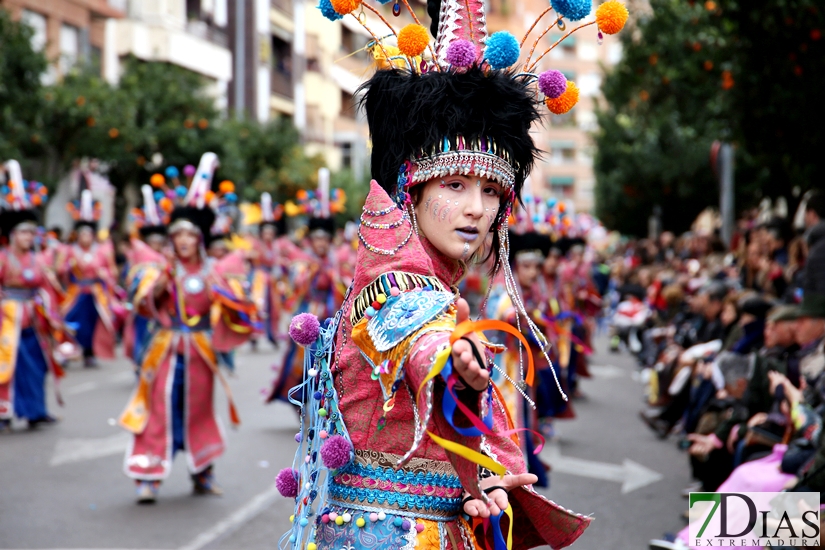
x=18, y=199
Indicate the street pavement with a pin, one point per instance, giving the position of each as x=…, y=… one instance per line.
x=62, y=486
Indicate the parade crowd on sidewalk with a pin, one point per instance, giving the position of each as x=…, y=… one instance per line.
x=730, y=346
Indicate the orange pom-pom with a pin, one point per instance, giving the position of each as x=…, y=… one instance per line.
x=166, y=204
x=611, y=17
x=413, y=40
x=157, y=180
x=226, y=186
x=210, y=195
x=37, y=200
x=565, y=101
x=43, y=191
x=301, y=195
x=562, y=207
x=345, y=6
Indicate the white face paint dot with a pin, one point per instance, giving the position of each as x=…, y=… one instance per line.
x=439, y=196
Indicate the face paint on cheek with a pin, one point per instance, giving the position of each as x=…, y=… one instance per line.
x=445, y=212
x=427, y=204
x=435, y=209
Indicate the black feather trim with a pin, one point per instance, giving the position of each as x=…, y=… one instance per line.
x=203, y=218
x=409, y=112
x=9, y=219
x=324, y=224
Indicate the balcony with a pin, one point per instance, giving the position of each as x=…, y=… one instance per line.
x=281, y=83
x=284, y=6
x=205, y=31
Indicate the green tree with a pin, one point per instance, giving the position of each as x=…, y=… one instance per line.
x=694, y=72
x=20, y=90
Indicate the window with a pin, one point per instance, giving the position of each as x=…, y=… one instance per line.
x=346, y=155
x=565, y=50
x=566, y=120
x=348, y=106
x=562, y=186
x=562, y=152
x=38, y=24
x=589, y=84
x=69, y=47
x=281, y=79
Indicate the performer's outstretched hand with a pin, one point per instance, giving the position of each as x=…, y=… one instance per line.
x=499, y=498
x=464, y=361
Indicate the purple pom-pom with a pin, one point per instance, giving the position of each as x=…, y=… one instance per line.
x=189, y=170
x=287, y=482
x=335, y=452
x=461, y=53
x=304, y=329
x=552, y=83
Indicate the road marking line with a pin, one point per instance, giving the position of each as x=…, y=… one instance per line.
x=77, y=450
x=630, y=474
x=231, y=523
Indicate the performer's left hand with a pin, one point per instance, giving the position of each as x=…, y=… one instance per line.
x=500, y=498
x=474, y=375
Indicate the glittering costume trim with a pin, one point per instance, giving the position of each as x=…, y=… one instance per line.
x=384, y=285
x=464, y=163
x=423, y=488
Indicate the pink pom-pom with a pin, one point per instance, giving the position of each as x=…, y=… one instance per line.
x=461, y=53
x=304, y=329
x=287, y=482
x=189, y=170
x=552, y=83
x=335, y=452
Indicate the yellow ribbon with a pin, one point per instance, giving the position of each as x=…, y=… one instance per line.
x=473, y=456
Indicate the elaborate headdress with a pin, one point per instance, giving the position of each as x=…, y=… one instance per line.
x=85, y=211
x=192, y=211
x=152, y=218
x=272, y=214
x=18, y=198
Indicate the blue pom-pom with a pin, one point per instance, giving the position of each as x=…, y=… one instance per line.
x=328, y=11
x=230, y=197
x=383, y=2
x=502, y=50
x=159, y=195
x=181, y=191
x=171, y=172
x=574, y=10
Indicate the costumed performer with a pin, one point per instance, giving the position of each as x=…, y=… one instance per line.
x=149, y=225
x=317, y=288
x=32, y=336
x=380, y=465
x=200, y=309
x=88, y=272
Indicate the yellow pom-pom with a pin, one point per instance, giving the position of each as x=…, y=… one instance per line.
x=565, y=101
x=312, y=546
x=292, y=518
x=360, y=522
x=345, y=6
x=611, y=17
x=226, y=186
x=413, y=40
x=157, y=180
x=339, y=520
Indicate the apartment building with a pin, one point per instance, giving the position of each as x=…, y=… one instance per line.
x=67, y=31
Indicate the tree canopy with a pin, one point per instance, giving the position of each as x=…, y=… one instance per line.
x=694, y=72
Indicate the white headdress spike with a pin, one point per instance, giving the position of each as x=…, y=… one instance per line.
x=266, y=208
x=323, y=191
x=87, y=212
x=21, y=202
x=202, y=181
x=150, y=209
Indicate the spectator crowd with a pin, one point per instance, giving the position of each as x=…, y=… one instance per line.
x=730, y=343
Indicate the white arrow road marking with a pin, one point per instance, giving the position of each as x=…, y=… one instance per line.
x=77, y=450
x=630, y=474
x=607, y=371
